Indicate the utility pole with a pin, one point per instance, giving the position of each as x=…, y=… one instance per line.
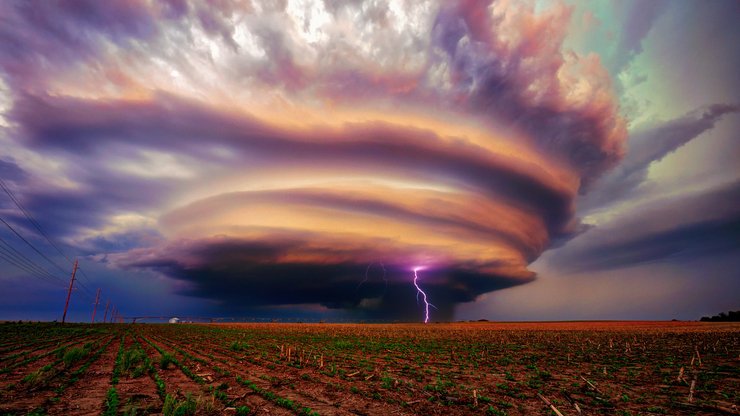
x=69, y=292
x=105, y=317
x=95, y=308
x=113, y=314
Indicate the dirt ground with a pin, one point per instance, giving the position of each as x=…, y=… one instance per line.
x=492, y=368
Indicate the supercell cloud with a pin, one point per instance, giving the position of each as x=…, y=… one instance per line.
x=306, y=153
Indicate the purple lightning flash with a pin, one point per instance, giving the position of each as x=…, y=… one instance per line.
x=385, y=279
x=424, y=296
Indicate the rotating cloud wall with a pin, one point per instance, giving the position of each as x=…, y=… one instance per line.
x=314, y=154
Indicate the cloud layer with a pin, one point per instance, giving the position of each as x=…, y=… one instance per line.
x=268, y=154
x=651, y=145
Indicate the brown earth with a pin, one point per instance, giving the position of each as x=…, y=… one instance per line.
x=619, y=368
x=18, y=395
x=88, y=397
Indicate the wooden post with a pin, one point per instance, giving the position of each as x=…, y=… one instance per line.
x=105, y=317
x=69, y=291
x=95, y=307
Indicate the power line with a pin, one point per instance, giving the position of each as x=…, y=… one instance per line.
x=31, y=219
x=37, y=251
x=41, y=231
x=20, y=257
x=31, y=245
x=25, y=268
x=85, y=290
x=14, y=253
x=87, y=278
x=16, y=258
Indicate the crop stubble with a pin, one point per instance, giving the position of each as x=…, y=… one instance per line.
x=620, y=368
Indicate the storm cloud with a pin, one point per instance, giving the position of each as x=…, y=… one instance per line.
x=262, y=156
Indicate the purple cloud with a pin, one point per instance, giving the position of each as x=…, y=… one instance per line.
x=194, y=142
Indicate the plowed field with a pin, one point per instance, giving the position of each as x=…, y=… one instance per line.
x=589, y=368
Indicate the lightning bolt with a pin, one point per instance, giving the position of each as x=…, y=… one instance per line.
x=367, y=271
x=423, y=295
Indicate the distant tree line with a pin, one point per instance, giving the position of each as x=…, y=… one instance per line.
x=732, y=316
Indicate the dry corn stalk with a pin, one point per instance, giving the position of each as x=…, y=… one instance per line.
x=697, y=354
x=590, y=384
x=572, y=401
x=552, y=406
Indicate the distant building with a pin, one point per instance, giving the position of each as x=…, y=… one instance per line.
x=175, y=320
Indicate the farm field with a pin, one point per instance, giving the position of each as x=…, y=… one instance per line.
x=615, y=368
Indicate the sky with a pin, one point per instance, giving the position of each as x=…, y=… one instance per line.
x=525, y=160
